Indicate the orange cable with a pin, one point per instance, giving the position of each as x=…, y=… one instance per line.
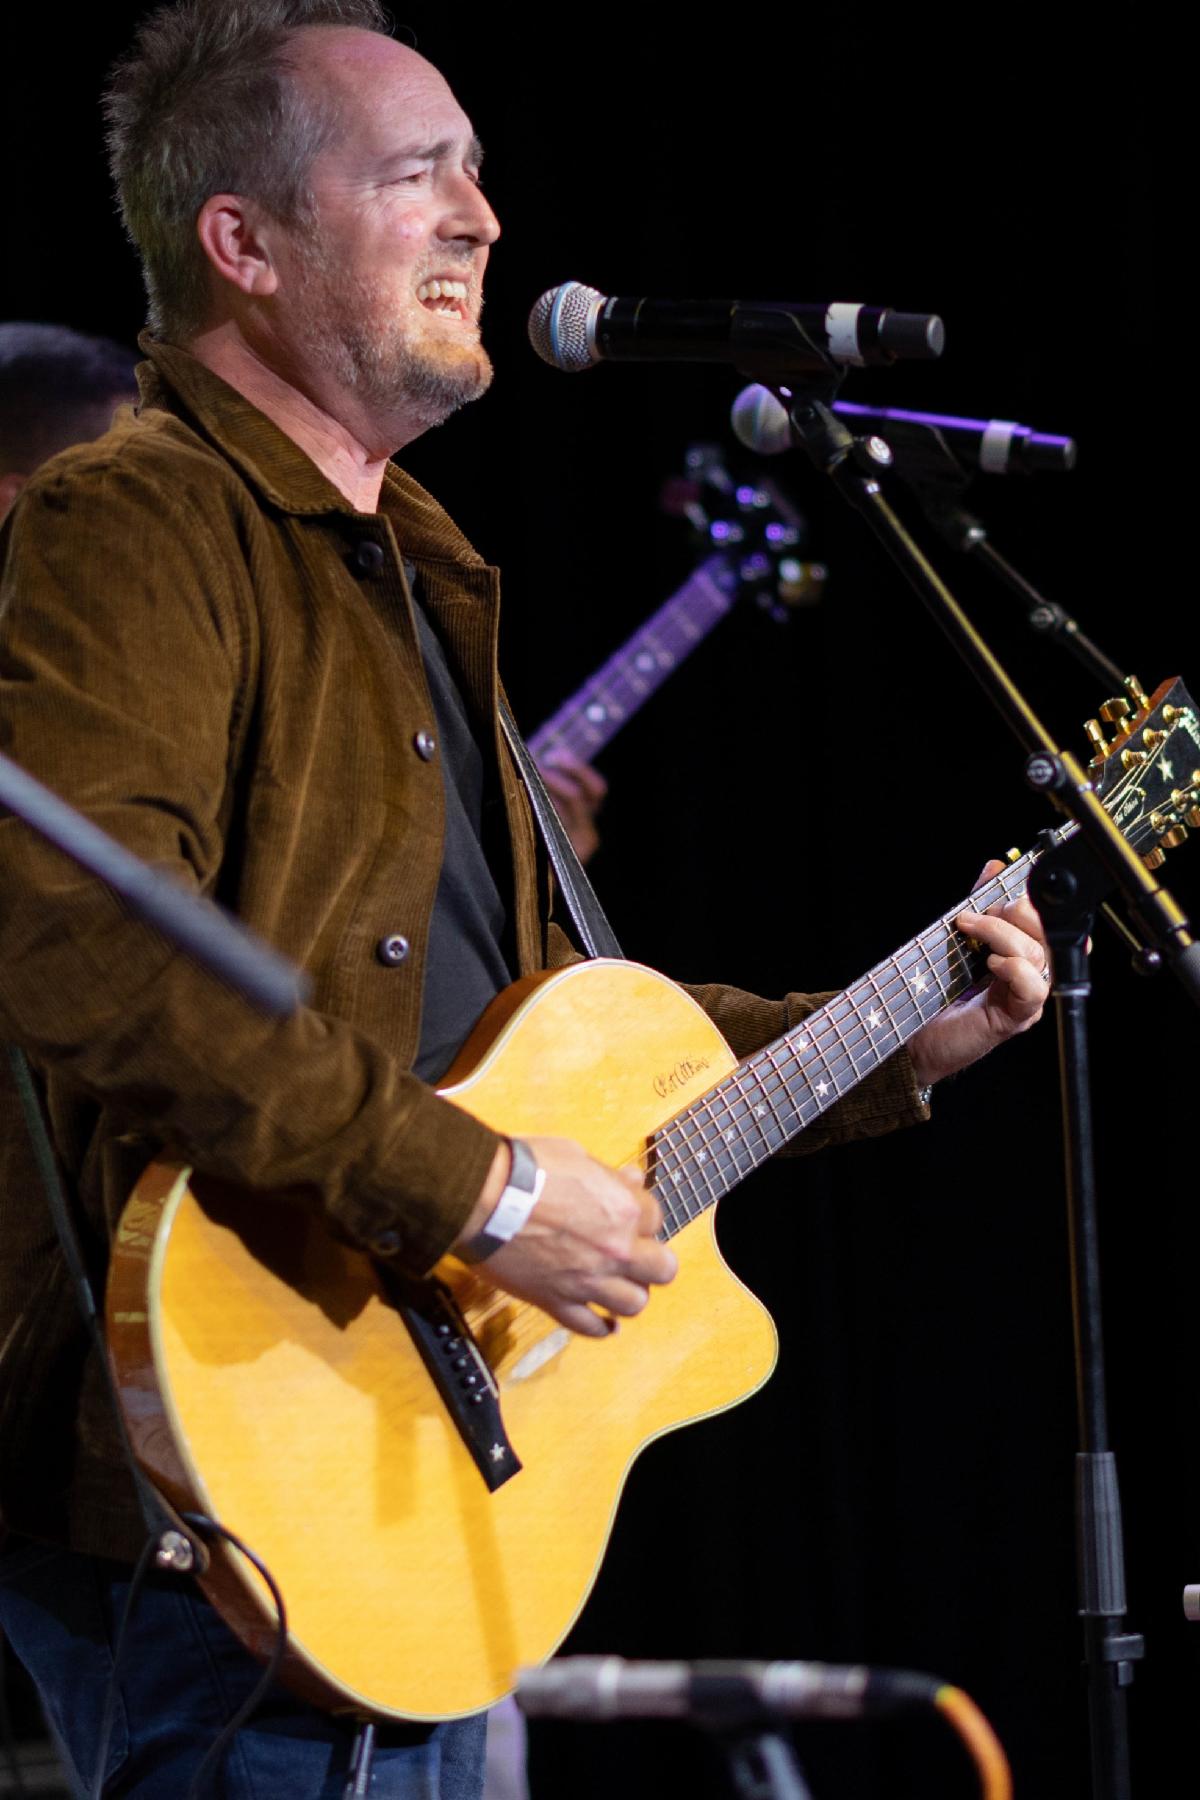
x=984, y=1746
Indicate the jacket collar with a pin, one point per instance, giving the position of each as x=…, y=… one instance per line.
x=274, y=463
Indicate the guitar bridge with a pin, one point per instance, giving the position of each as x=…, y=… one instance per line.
x=459, y=1369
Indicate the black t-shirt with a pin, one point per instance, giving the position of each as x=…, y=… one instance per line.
x=470, y=956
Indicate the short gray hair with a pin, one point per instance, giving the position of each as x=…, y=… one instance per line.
x=206, y=102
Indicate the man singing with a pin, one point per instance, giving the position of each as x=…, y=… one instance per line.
x=243, y=641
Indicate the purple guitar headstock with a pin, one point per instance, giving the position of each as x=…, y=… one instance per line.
x=753, y=523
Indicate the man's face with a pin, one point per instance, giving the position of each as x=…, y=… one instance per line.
x=385, y=289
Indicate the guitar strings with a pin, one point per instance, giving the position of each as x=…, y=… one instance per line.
x=838, y=1040
x=526, y=1324
x=842, y=1045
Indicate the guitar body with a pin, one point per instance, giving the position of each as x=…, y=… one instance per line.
x=268, y=1383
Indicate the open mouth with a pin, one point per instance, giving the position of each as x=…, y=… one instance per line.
x=444, y=296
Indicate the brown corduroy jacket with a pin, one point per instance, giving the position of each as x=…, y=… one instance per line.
x=206, y=650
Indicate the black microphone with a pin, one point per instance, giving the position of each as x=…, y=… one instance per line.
x=716, y=1693
x=572, y=326
x=997, y=446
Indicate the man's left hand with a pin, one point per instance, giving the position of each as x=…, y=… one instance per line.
x=1012, y=1001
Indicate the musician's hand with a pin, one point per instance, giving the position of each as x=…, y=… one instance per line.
x=588, y=1252
x=1011, y=1002
x=577, y=791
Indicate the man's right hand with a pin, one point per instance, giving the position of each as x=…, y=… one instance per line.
x=588, y=1252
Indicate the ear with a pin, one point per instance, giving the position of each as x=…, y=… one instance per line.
x=10, y=487
x=233, y=235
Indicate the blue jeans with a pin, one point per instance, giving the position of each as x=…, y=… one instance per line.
x=182, y=1675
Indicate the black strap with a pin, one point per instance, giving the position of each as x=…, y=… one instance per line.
x=596, y=935
x=162, y=1522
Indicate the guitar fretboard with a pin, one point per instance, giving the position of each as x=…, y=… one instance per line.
x=773, y=1096
x=586, y=722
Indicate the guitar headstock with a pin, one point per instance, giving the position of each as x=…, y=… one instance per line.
x=1148, y=774
x=762, y=532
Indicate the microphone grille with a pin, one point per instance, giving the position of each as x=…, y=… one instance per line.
x=760, y=421
x=562, y=326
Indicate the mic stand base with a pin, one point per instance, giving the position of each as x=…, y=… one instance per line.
x=362, y=1762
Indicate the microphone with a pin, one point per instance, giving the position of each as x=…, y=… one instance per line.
x=997, y=446
x=572, y=326
x=715, y=1693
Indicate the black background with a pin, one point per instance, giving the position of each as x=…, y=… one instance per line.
x=799, y=801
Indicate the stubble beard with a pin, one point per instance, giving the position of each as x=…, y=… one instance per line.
x=353, y=332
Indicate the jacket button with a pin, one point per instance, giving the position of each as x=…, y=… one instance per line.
x=392, y=950
x=386, y=1243
x=367, y=557
x=426, y=745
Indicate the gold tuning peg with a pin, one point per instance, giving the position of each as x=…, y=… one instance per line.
x=1131, y=758
x=1154, y=859
x=1012, y=856
x=1152, y=739
x=1137, y=693
x=1170, y=714
x=1097, y=739
x=1116, y=710
x=1193, y=818
x=1176, y=835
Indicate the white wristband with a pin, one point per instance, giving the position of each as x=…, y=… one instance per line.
x=512, y=1209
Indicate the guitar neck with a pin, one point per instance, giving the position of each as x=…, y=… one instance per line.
x=774, y=1095
x=594, y=715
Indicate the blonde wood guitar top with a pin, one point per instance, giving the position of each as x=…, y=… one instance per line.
x=268, y=1383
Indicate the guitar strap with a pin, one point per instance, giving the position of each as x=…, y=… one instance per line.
x=595, y=934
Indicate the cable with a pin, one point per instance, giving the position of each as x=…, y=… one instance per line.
x=141, y=1570
x=207, y=1528
x=217, y=1749
x=982, y=1744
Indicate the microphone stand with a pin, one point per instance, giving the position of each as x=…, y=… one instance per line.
x=928, y=465
x=965, y=532
x=763, y=1766
x=215, y=940
x=1064, y=886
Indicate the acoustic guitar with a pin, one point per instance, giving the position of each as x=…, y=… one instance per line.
x=431, y=1470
